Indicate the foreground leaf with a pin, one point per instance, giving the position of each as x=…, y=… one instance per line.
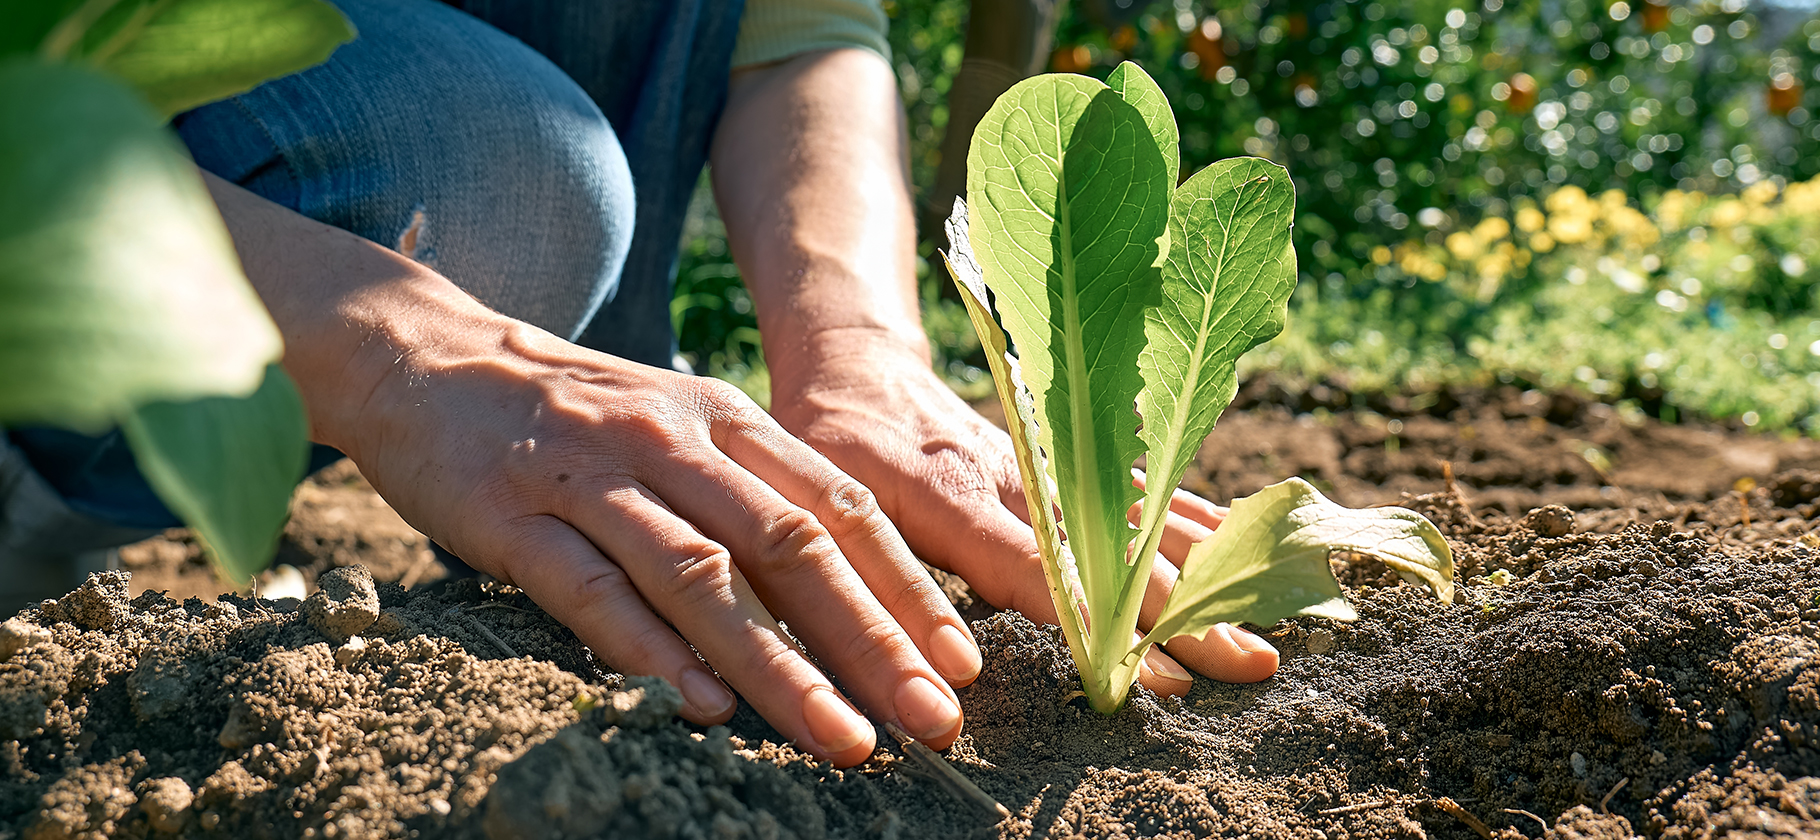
x=118, y=283
x=1136, y=87
x=185, y=53
x=23, y=25
x=1069, y=195
x=1225, y=290
x=226, y=466
x=1268, y=560
x=1020, y=416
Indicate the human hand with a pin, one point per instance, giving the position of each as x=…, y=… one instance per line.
x=950, y=482
x=650, y=512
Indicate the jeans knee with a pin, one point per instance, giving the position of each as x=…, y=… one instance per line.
x=443, y=138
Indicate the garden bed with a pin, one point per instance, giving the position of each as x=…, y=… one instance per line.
x=1650, y=665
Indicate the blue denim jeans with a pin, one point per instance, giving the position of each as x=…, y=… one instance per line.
x=540, y=154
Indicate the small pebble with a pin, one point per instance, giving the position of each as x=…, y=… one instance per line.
x=350, y=651
x=1550, y=521
x=1579, y=764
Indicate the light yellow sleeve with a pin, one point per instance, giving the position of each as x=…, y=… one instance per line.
x=772, y=30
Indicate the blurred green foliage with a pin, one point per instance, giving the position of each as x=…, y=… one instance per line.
x=1406, y=124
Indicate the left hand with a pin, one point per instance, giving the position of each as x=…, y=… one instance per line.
x=949, y=480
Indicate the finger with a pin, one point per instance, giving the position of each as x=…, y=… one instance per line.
x=569, y=578
x=1191, y=519
x=1228, y=653
x=996, y=554
x=866, y=538
x=1161, y=674
x=1186, y=504
x=800, y=574
x=691, y=580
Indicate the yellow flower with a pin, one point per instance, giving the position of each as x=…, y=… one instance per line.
x=1729, y=213
x=1463, y=246
x=1565, y=199
x=1492, y=228
x=1542, y=243
x=1762, y=192
x=1802, y=198
x=1530, y=220
x=1570, y=227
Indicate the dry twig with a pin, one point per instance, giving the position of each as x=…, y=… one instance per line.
x=1465, y=816
x=485, y=632
x=952, y=780
x=1529, y=815
x=1611, y=793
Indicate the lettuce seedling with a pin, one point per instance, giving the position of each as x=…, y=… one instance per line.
x=1123, y=291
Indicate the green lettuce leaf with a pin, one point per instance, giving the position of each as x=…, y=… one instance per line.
x=185, y=53
x=1020, y=421
x=1268, y=560
x=1136, y=87
x=1069, y=196
x=1225, y=290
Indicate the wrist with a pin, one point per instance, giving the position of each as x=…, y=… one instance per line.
x=388, y=338
x=839, y=357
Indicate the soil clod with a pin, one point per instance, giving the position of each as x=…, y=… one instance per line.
x=345, y=604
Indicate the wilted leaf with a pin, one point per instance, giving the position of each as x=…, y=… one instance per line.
x=1268, y=560
x=1020, y=420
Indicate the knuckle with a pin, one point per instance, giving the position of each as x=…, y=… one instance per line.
x=722, y=397
x=702, y=574
x=875, y=643
x=849, y=508
x=606, y=588
x=786, y=542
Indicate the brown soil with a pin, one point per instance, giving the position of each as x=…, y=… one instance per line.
x=1650, y=665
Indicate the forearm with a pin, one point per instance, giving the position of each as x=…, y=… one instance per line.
x=347, y=307
x=810, y=173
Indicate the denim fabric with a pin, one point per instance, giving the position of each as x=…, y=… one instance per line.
x=543, y=163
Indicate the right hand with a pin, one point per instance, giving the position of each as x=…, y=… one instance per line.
x=650, y=512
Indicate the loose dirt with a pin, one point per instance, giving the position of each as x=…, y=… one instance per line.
x=1634, y=650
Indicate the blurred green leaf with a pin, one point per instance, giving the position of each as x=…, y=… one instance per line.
x=185, y=53
x=118, y=283
x=227, y=466
x=24, y=23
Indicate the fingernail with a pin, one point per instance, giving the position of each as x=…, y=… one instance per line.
x=705, y=694
x=832, y=723
x=1165, y=667
x=1248, y=641
x=953, y=655
x=923, y=710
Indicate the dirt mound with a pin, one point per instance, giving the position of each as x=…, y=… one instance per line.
x=149, y=717
x=1634, y=650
